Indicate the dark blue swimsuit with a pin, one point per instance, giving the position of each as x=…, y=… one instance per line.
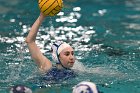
x=59, y=74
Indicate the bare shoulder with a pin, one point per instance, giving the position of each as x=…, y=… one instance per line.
x=45, y=65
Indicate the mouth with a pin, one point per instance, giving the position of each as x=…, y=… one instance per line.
x=71, y=62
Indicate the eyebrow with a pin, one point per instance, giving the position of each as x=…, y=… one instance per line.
x=68, y=51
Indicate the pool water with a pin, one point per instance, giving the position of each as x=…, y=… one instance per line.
x=104, y=33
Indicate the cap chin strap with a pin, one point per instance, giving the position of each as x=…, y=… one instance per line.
x=59, y=62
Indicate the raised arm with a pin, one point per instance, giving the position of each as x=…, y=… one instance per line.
x=43, y=62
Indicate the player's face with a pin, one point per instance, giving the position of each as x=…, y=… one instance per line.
x=67, y=57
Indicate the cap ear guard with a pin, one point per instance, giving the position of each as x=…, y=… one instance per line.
x=20, y=89
x=85, y=87
x=55, y=54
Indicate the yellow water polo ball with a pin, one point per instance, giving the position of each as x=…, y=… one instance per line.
x=50, y=7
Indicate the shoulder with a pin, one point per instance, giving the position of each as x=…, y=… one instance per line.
x=45, y=67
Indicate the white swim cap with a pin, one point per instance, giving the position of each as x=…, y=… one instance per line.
x=57, y=48
x=20, y=89
x=85, y=87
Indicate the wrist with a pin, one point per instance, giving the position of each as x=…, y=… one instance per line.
x=42, y=16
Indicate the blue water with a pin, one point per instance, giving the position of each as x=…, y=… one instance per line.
x=104, y=33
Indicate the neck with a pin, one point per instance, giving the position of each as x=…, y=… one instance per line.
x=59, y=66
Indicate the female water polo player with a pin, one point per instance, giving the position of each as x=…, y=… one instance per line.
x=62, y=53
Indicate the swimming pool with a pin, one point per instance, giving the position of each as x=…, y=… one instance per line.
x=105, y=34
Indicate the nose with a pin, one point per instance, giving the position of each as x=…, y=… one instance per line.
x=71, y=57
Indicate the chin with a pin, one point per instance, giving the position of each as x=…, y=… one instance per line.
x=71, y=66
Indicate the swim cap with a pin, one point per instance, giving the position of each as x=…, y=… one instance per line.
x=57, y=48
x=20, y=89
x=85, y=87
